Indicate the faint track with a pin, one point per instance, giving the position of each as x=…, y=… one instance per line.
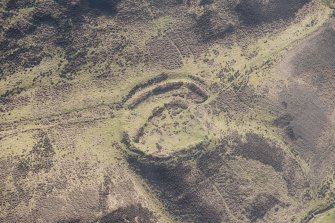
x=225, y=203
x=314, y=214
x=147, y=4
x=76, y=116
x=51, y=126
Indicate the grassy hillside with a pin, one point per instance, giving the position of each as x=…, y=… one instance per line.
x=166, y=110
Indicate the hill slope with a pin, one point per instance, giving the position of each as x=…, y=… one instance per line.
x=166, y=111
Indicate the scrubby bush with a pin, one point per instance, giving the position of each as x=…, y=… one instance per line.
x=330, y=3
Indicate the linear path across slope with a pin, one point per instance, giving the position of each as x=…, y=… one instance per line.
x=317, y=213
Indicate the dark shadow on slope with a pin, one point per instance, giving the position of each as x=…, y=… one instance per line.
x=108, y=7
x=178, y=195
x=197, y=185
x=210, y=27
x=259, y=149
x=255, y=12
x=316, y=63
x=19, y=4
x=130, y=214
